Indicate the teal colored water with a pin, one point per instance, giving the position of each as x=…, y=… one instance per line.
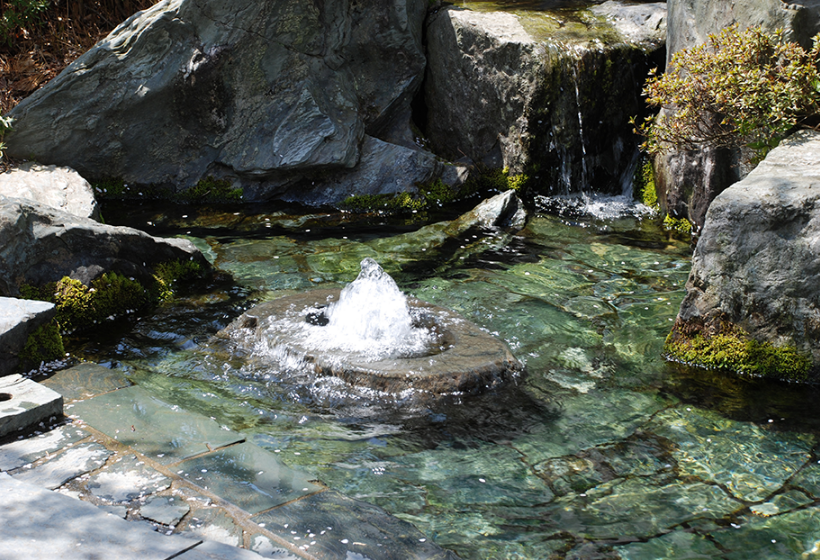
x=602, y=450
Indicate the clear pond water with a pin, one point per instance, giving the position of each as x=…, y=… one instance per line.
x=602, y=450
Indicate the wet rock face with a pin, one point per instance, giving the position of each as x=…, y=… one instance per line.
x=260, y=93
x=40, y=244
x=525, y=91
x=758, y=259
x=689, y=181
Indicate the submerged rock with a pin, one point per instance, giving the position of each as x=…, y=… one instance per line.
x=60, y=187
x=40, y=244
x=263, y=94
x=551, y=93
x=688, y=181
x=753, y=290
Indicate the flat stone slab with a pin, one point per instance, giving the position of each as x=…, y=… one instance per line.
x=211, y=550
x=85, y=381
x=18, y=319
x=24, y=403
x=127, y=480
x=37, y=523
x=248, y=477
x=330, y=525
x=18, y=453
x=166, y=510
x=166, y=433
x=66, y=466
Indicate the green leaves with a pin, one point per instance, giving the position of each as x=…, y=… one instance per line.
x=17, y=14
x=740, y=88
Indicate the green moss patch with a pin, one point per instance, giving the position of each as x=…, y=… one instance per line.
x=110, y=296
x=43, y=345
x=437, y=193
x=719, y=344
x=208, y=189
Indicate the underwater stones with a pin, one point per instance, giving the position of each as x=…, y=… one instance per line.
x=60, y=187
x=470, y=360
x=261, y=94
x=639, y=507
x=156, y=429
x=671, y=545
x=751, y=462
x=791, y=535
x=335, y=526
x=19, y=319
x=40, y=244
x=523, y=91
x=755, y=266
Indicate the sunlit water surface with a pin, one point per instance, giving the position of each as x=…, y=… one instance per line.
x=602, y=450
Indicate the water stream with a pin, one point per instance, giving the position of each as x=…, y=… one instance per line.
x=602, y=448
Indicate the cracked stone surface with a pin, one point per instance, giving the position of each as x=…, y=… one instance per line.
x=70, y=464
x=25, y=451
x=127, y=480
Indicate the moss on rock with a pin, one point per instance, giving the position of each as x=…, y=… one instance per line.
x=110, y=296
x=45, y=344
x=717, y=343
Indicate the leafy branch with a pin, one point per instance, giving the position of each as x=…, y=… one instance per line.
x=740, y=88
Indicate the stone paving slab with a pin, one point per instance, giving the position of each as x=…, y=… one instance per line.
x=166, y=510
x=330, y=525
x=210, y=550
x=24, y=403
x=248, y=477
x=40, y=524
x=85, y=381
x=127, y=480
x=166, y=433
x=18, y=453
x=69, y=464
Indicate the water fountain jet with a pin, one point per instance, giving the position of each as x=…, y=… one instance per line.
x=369, y=334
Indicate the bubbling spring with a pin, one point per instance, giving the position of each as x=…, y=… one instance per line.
x=370, y=335
x=372, y=318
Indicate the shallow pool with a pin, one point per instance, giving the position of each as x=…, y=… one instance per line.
x=602, y=450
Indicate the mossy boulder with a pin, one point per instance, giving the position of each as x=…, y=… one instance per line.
x=753, y=296
x=549, y=93
x=41, y=245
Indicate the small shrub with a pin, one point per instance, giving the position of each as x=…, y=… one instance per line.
x=169, y=274
x=18, y=15
x=43, y=345
x=210, y=189
x=739, y=88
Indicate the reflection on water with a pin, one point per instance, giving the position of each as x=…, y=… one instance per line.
x=602, y=450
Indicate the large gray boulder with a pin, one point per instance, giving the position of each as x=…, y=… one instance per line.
x=60, y=187
x=41, y=244
x=687, y=182
x=757, y=263
x=269, y=95
x=551, y=92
